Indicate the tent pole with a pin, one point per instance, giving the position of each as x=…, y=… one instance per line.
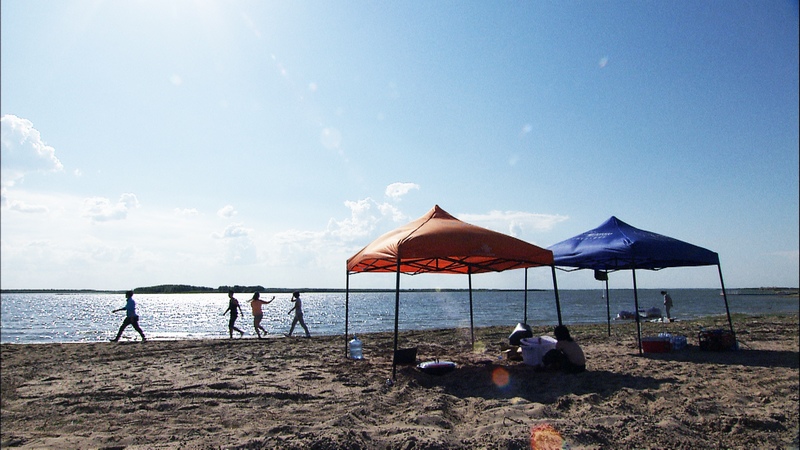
x=525, y=314
x=346, y=311
x=608, y=308
x=636, y=311
x=555, y=289
x=725, y=296
x=396, y=313
x=471, y=324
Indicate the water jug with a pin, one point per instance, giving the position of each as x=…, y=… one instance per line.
x=355, y=348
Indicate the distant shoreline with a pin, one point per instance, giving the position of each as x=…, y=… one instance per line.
x=782, y=291
x=264, y=291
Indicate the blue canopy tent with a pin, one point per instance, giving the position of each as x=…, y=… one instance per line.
x=615, y=245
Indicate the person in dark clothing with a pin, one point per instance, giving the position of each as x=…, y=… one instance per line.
x=567, y=356
x=235, y=310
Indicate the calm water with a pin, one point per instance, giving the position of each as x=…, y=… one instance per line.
x=38, y=318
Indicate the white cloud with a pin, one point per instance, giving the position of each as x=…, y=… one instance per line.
x=319, y=250
x=238, y=247
x=100, y=209
x=186, y=212
x=234, y=230
x=227, y=211
x=514, y=223
x=365, y=217
x=240, y=252
x=20, y=206
x=396, y=191
x=23, y=151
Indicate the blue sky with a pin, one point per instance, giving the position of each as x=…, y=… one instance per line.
x=249, y=142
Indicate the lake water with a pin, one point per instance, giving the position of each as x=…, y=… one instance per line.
x=39, y=318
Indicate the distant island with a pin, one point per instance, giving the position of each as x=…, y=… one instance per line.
x=784, y=291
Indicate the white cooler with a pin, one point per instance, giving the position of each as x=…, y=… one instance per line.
x=533, y=349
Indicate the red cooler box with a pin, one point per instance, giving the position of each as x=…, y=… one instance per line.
x=656, y=345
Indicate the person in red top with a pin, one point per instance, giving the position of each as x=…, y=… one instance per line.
x=256, y=303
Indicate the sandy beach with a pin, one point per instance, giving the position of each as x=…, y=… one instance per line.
x=297, y=393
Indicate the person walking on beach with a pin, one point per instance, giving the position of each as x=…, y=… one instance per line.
x=130, y=317
x=256, y=303
x=235, y=309
x=298, y=314
x=667, y=304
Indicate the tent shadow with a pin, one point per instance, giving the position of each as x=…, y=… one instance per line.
x=742, y=357
x=503, y=382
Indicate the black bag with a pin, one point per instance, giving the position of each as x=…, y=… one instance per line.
x=523, y=330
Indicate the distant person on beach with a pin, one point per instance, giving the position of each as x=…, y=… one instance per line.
x=298, y=314
x=130, y=317
x=235, y=309
x=667, y=304
x=256, y=303
x=567, y=356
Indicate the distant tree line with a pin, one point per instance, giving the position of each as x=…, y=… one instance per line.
x=187, y=289
x=237, y=288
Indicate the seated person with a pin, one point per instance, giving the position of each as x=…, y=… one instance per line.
x=567, y=355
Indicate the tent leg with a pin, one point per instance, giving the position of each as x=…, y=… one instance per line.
x=471, y=323
x=396, y=313
x=555, y=289
x=636, y=311
x=525, y=312
x=608, y=309
x=346, y=311
x=725, y=296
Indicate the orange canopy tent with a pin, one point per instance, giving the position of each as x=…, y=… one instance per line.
x=438, y=242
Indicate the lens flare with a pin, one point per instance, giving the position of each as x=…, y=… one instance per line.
x=500, y=377
x=545, y=437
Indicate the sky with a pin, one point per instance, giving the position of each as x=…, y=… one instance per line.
x=212, y=143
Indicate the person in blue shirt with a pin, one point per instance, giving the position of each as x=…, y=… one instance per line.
x=130, y=317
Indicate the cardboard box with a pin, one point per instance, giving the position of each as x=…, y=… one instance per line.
x=513, y=353
x=405, y=356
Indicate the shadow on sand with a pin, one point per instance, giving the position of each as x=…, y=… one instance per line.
x=741, y=357
x=496, y=382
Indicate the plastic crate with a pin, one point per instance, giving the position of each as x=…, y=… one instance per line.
x=716, y=340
